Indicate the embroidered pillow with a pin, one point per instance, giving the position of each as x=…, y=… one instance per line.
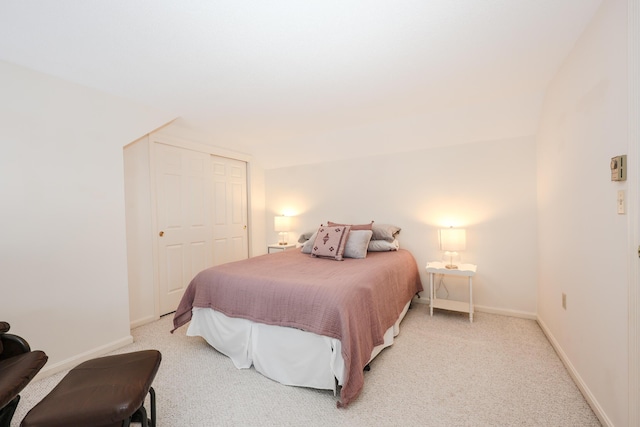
x=330, y=242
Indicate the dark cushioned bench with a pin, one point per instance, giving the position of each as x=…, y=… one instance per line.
x=18, y=366
x=103, y=392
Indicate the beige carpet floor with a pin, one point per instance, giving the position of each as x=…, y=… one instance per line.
x=441, y=371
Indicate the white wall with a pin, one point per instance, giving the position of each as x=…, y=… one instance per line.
x=487, y=187
x=583, y=240
x=63, y=273
x=477, y=120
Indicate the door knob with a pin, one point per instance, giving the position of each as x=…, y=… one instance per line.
x=244, y=228
x=161, y=233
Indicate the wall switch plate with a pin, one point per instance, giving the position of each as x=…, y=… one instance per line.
x=621, y=202
x=619, y=168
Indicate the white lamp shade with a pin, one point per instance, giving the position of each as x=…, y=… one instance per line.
x=453, y=239
x=282, y=223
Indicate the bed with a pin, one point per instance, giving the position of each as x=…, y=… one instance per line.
x=303, y=320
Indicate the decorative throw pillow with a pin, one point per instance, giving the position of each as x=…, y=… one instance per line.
x=330, y=242
x=383, y=246
x=357, y=243
x=353, y=226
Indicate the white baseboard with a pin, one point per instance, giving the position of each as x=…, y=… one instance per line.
x=506, y=312
x=66, y=364
x=143, y=321
x=492, y=310
x=577, y=379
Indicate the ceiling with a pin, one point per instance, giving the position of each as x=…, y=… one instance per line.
x=268, y=72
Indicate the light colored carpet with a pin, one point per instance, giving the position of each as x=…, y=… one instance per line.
x=441, y=371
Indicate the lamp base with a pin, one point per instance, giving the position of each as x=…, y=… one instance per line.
x=282, y=241
x=451, y=267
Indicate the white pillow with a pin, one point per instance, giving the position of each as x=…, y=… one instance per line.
x=305, y=236
x=383, y=245
x=357, y=244
x=386, y=232
x=308, y=245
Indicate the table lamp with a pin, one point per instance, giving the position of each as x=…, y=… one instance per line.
x=282, y=224
x=452, y=240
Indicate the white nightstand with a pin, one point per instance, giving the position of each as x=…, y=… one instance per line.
x=276, y=247
x=465, y=270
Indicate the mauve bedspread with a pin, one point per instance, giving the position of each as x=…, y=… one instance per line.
x=355, y=300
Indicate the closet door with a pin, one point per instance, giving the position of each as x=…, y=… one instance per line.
x=230, y=236
x=184, y=220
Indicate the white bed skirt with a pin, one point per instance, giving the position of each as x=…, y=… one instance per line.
x=287, y=355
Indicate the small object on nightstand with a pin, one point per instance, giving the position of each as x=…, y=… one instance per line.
x=277, y=247
x=465, y=270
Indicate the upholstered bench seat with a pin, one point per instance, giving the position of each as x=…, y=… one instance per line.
x=107, y=391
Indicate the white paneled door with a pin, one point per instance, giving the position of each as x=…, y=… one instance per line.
x=184, y=220
x=230, y=236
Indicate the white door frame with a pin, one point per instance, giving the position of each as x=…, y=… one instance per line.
x=633, y=60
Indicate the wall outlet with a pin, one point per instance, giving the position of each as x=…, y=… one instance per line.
x=620, y=202
x=564, y=300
